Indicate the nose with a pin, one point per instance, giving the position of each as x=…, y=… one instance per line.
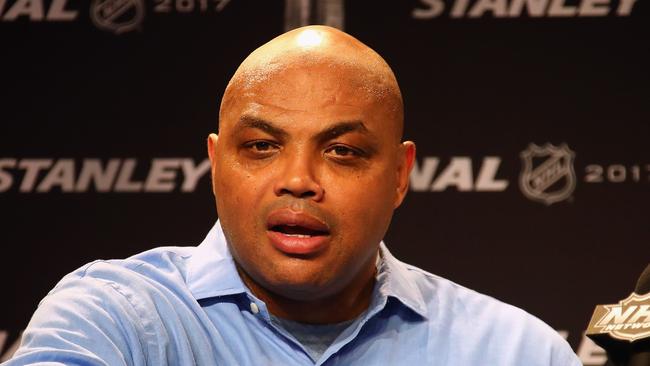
x=297, y=179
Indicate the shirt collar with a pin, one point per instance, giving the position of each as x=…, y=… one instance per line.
x=212, y=272
x=211, y=269
x=394, y=280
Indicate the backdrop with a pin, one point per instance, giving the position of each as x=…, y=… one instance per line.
x=531, y=118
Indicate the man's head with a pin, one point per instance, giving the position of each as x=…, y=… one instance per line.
x=308, y=166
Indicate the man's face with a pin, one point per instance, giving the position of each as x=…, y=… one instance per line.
x=307, y=172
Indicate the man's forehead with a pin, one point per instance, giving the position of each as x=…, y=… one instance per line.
x=286, y=109
x=307, y=73
x=323, y=84
x=311, y=106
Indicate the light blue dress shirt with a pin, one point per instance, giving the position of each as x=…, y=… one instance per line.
x=188, y=306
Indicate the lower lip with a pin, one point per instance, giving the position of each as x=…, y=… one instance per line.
x=297, y=245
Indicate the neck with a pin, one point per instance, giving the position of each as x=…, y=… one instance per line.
x=344, y=305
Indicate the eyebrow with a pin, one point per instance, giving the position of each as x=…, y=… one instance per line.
x=341, y=128
x=260, y=124
x=331, y=132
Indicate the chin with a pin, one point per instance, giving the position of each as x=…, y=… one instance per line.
x=301, y=288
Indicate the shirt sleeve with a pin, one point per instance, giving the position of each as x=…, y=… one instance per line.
x=564, y=355
x=83, y=321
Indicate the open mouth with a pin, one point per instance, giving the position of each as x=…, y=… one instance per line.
x=297, y=231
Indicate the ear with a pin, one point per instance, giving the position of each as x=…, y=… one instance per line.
x=406, y=157
x=212, y=154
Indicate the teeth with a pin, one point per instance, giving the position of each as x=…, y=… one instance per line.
x=298, y=235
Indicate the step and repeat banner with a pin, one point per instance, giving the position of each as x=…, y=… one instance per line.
x=531, y=117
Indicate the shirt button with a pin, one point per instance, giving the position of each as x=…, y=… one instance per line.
x=254, y=308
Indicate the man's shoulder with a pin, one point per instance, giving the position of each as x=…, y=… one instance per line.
x=465, y=314
x=446, y=297
x=147, y=285
x=158, y=267
x=114, y=309
x=164, y=258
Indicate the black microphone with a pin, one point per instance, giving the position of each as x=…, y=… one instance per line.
x=623, y=329
x=643, y=285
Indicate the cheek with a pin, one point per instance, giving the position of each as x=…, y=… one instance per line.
x=363, y=200
x=236, y=191
x=239, y=195
x=236, y=183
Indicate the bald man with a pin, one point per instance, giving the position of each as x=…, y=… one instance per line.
x=307, y=169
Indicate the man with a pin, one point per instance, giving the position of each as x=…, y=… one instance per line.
x=307, y=170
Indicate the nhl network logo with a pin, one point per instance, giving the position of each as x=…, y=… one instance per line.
x=547, y=175
x=628, y=320
x=117, y=16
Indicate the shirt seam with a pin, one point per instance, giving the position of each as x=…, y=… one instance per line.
x=118, y=290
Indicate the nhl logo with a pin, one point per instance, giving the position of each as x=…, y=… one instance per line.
x=629, y=320
x=117, y=16
x=547, y=175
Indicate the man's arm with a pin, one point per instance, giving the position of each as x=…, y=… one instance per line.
x=83, y=321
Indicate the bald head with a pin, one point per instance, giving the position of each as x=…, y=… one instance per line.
x=322, y=48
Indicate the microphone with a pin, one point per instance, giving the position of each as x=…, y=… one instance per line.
x=643, y=285
x=623, y=329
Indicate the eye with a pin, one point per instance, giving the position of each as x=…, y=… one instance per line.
x=343, y=152
x=260, y=148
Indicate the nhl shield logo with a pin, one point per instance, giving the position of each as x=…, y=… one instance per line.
x=117, y=16
x=547, y=175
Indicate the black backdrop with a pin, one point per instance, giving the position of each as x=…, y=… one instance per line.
x=81, y=90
